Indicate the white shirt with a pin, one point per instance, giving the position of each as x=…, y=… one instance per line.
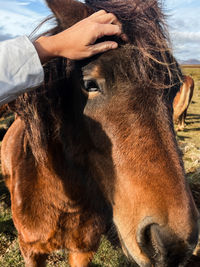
x=20, y=68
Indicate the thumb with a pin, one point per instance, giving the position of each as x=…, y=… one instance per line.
x=103, y=47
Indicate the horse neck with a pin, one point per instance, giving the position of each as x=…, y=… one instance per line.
x=68, y=166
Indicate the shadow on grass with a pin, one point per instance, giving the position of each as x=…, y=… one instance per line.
x=192, y=129
x=6, y=223
x=193, y=178
x=4, y=194
x=7, y=227
x=182, y=138
x=187, y=130
x=5, y=122
x=191, y=122
x=193, y=116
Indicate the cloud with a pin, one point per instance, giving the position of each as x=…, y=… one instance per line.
x=186, y=44
x=18, y=24
x=24, y=4
x=4, y=37
x=20, y=18
x=186, y=37
x=184, y=27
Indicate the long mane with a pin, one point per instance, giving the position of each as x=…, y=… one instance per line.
x=44, y=110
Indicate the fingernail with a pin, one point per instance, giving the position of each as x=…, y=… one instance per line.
x=114, y=45
x=124, y=37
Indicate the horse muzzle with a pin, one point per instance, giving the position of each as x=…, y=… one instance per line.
x=163, y=247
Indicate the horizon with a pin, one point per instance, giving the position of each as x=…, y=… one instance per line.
x=22, y=17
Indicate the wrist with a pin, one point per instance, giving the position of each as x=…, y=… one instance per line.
x=45, y=48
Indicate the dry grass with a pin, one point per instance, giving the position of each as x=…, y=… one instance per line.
x=189, y=139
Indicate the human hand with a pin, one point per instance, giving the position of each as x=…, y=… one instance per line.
x=77, y=42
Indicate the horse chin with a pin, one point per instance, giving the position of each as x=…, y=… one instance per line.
x=140, y=260
x=132, y=251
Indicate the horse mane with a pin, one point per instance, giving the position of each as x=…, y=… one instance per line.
x=44, y=110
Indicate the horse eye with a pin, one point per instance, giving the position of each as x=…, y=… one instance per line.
x=91, y=86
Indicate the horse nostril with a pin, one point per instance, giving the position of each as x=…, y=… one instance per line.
x=162, y=246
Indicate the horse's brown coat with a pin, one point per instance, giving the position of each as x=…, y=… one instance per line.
x=182, y=101
x=78, y=158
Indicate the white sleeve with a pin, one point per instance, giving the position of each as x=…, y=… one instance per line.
x=20, y=68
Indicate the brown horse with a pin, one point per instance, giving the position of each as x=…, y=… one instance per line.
x=182, y=101
x=95, y=145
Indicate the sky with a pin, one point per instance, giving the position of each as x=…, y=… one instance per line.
x=20, y=17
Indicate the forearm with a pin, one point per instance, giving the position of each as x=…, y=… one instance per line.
x=20, y=68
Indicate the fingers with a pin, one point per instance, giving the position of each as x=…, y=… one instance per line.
x=98, y=13
x=103, y=47
x=102, y=17
x=108, y=30
x=108, y=18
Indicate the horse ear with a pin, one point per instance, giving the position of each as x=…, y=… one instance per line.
x=68, y=12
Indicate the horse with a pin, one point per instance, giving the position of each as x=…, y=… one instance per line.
x=182, y=102
x=94, y=148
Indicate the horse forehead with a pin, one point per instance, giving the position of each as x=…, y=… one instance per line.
x=92, y=70
x=105, y=63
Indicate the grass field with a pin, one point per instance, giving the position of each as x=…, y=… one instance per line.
x=107, y=256
x=189, y=139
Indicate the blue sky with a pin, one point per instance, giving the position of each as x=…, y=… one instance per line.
x=19, y=17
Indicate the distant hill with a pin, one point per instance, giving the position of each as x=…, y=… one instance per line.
x=190, y=62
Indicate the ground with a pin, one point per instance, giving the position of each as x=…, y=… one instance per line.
x=107, y=256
